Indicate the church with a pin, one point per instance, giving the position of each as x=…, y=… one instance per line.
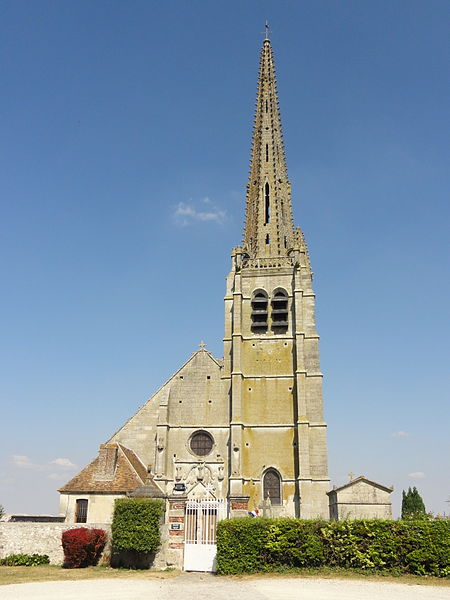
x=246, y=430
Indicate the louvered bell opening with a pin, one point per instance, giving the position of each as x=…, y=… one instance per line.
x=259, y=313
x=280, y=312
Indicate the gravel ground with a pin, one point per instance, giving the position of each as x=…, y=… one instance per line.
x=196, y=586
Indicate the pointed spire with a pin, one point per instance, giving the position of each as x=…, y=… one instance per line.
x=269, y=228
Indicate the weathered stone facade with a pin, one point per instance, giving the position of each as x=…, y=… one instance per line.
x=160, y=432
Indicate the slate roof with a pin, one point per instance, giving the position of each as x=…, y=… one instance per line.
x=129, y=474
x=149, y=490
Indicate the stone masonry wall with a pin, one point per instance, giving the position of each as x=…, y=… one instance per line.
x=45, y=538
x=39, y=538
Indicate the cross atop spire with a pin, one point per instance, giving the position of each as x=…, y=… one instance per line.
x=268, y=229
x=267, y=30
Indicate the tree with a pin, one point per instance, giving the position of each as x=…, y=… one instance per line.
x=418, y=502
x=413, y=506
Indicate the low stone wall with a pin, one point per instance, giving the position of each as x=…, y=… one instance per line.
x=45, y=538
x=39, y=538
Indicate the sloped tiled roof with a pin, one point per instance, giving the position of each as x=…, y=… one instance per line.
x=137, y=465
x=128, y=475
x=149, y=490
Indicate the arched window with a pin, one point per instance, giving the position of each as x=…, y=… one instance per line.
x=260, y=302
x=267, y=152
x=267, y=204
x=280, y=311
x=272, y=486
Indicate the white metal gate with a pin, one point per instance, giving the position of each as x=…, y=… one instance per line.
x=200, y=549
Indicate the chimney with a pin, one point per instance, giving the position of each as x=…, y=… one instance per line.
x=106, y=465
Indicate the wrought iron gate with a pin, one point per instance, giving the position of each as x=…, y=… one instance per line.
x=201, y=519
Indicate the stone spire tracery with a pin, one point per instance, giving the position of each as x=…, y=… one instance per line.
x=269, y=230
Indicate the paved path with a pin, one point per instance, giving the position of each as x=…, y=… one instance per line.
x=196, y=586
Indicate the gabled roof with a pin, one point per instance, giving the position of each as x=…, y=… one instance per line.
x=359, y=479
x=128, y=474
x=201, y=350
x=218, y=363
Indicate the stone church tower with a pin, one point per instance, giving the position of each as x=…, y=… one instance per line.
x=271, y=353
x=247, y=430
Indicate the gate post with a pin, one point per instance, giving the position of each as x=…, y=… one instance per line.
x=176, y=516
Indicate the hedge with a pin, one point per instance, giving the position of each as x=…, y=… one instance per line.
x=261, y=544
x=25, y=560
x=136, y=524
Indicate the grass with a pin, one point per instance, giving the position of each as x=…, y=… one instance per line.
x=54, y=573
x=339, y=573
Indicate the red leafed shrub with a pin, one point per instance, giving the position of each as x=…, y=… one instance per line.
x=82, y=547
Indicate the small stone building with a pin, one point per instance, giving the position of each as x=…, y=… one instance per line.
x=360, y=498
x=115, y=473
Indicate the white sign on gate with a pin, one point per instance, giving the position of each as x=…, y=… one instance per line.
x=200, y=547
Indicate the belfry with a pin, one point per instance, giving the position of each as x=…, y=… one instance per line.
x=271, y=354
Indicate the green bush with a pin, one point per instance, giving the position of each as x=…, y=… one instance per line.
x=25, y=560
x=240, y=545
x=289, y=545
x=136, y=524
x=417, y=547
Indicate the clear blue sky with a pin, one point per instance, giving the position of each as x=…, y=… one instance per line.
x=124, y=155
